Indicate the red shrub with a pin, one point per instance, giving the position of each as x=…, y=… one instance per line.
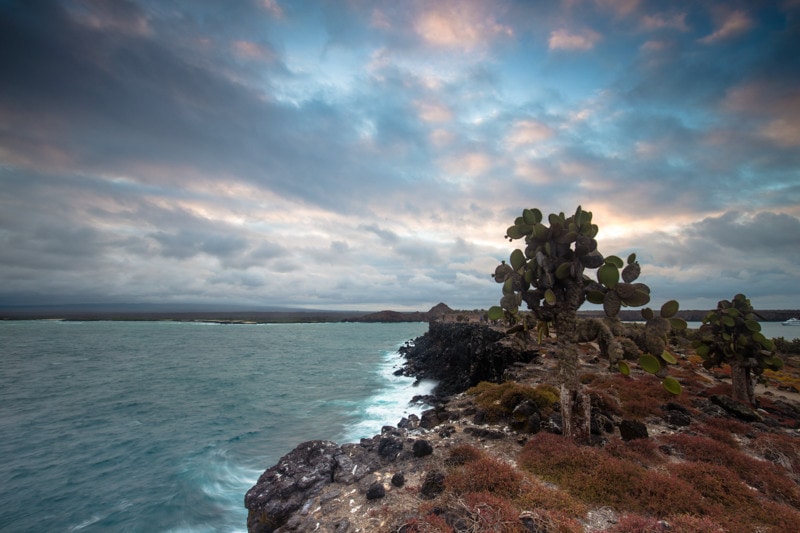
x=595, y=476
x=642, y=451
x=487, y=512
x=484, y=474
x=764, y=476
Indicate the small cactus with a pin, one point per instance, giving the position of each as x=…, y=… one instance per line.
x=731, y=334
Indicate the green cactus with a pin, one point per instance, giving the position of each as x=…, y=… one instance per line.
x=549, y=275
x=652, y=339
x=731, y=334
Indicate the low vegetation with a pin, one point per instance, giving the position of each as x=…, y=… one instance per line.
x=715, y=474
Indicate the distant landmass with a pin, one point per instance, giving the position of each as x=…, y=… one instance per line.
x=236, y=315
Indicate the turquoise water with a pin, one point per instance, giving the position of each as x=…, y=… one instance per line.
x=163, y=426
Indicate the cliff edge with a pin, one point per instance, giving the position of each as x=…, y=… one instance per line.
x=491, y=459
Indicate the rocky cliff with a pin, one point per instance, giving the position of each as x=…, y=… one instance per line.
x=491, y=459
x=318, y=474
x=460, y=356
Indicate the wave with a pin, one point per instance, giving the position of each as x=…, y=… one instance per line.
x=391, y=403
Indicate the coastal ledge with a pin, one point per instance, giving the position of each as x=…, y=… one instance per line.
x=316, y=486
x=401, y=481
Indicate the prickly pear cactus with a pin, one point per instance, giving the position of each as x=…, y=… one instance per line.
x=615, y=287
x=731, y=334
x=653, y=340
x=550, y=276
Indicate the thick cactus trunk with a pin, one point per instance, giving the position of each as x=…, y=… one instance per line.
x=743, y=386
x=575, y=404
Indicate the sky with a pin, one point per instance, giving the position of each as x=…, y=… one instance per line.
x=367, y=155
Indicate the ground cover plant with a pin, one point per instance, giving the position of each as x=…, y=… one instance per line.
x=715, y=474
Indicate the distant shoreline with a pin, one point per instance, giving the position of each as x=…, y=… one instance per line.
x=312, y=316
x=244, y=317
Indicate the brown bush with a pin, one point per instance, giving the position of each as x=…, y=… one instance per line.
x=633, y=523
x=597, y=477
x=499, y=400
x=484, y=474
x=538, y=496
x=764, y=476
x=779, y=449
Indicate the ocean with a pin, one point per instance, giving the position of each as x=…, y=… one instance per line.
x=163, y=426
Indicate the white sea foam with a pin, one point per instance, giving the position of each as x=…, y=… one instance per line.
x=392, y=402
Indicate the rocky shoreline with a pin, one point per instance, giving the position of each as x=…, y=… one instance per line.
x=380, y=484
x=316, y=486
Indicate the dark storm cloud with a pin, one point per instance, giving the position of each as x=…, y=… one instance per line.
x=765, y=233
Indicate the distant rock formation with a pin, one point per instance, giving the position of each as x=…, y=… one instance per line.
x=436, y=312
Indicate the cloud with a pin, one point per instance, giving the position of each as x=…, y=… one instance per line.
x=658, y=21
x=528, y=132
x=273, y=7
x=463, y=25
x=620, y=8
x=775, y=106
x=253, y=51
x=731, y=25
x=563, y=39
x=372, y=155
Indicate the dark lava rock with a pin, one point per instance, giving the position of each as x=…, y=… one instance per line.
x=282, y=489
x=390, y=447
x=483, y=433
x=601, y=423
x=732, y=407
x=398, y=480
x=677, y=418
x=422, y=448
x=412, y=422
x=632, y=429
x=460, y=356
x=376, y=491
x=432, y=485
x=433, y=417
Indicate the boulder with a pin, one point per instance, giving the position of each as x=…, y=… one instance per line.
x=421, y=448
x=632, y=429
x=376, y=491
x=284, y=488
x=737, y=409
x=432, y=485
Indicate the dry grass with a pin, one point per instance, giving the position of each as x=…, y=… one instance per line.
x=499, y=400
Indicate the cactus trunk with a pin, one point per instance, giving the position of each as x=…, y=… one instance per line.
x=575, y=404
x=742, y=384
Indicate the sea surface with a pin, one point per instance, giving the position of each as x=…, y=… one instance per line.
x=163, y=426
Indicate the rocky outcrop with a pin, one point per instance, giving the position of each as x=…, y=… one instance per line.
x=317, y=474
x=460, y=356
x=435, y=313
x=321, y=481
